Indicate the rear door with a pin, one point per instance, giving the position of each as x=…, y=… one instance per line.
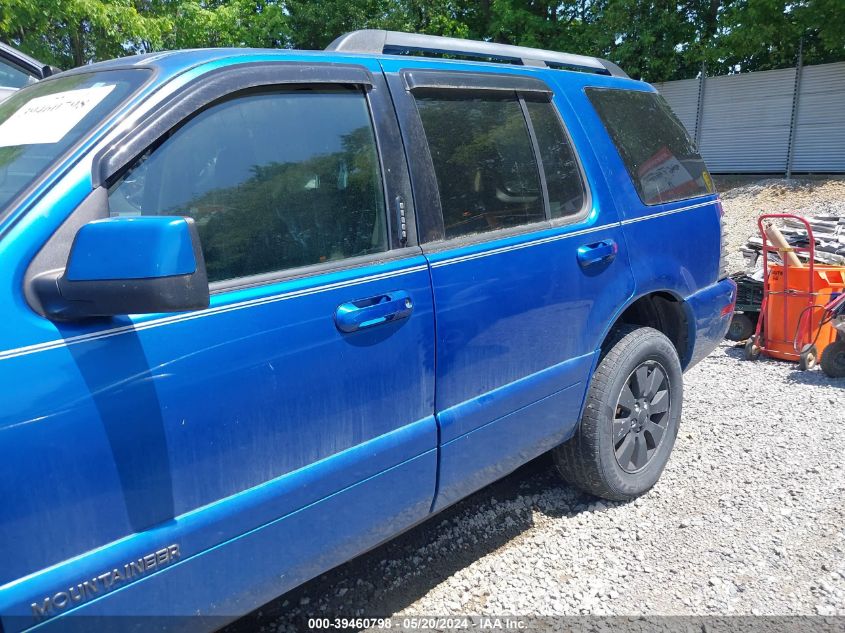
x=528, y=261
x=261, y=441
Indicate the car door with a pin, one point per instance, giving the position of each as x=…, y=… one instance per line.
x=277, y=433
x=528, y=262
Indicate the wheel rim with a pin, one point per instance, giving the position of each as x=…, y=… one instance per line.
x=740, y=328
x=642, y=416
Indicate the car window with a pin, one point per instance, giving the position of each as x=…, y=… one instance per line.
x=483, y=160
x=662, y=161
x=39, y=123
x=274, y=181
x=563, y=176
x=12, y=76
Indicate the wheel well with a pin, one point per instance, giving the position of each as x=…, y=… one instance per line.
x=664, y=313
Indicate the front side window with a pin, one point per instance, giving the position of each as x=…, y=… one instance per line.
x=662, y=161
x=274, y=180
x=483, y=160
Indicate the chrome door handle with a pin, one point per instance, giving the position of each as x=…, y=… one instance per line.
x=365, y=313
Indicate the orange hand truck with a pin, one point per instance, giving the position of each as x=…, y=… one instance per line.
x=794, y=324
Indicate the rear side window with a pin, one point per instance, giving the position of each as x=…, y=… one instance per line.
x=563, y=176
x=483, y=160
x=656, y=149
x=274, y=181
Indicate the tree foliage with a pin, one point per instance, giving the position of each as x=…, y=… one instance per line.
x=765, y=34
x=653, y=39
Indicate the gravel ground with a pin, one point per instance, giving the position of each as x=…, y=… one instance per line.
x=748, y=518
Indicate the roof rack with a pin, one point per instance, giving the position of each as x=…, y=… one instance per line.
x=379, y=42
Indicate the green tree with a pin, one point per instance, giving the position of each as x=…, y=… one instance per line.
x=212, y=23
x=765, y=34
x=313, y=25
x=648, y=39
x=655, y=40
x=70, y=33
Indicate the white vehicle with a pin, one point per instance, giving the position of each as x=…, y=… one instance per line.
x=18, y=70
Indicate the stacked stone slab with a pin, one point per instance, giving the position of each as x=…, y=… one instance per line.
x=829, y=234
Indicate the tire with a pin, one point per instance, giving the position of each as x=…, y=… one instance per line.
x=589, y=459
x=752, y=350
x=807, y=359
x=833, y=359
x=741, y=328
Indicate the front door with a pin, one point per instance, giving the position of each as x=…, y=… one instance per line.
x=278, y=432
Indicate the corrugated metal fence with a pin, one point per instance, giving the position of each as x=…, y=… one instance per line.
x=790, y=120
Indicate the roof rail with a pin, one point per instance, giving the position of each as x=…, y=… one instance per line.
x=379, y=42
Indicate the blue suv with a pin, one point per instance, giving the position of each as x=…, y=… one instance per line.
x=264, y=310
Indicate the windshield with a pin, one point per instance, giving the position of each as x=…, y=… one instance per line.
x=38, y=124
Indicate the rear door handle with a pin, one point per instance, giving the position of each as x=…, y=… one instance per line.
x=365, y=313
x=597, y=253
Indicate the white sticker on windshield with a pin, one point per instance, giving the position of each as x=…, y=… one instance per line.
x=47, y=119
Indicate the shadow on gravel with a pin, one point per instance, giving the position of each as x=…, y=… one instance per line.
x=814, y=377
x=394, y=575
x=736, y=351
x=810, y=377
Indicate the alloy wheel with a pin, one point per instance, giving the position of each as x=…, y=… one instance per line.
x=642, y=415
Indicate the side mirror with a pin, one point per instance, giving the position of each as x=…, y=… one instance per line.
x=137, y=265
